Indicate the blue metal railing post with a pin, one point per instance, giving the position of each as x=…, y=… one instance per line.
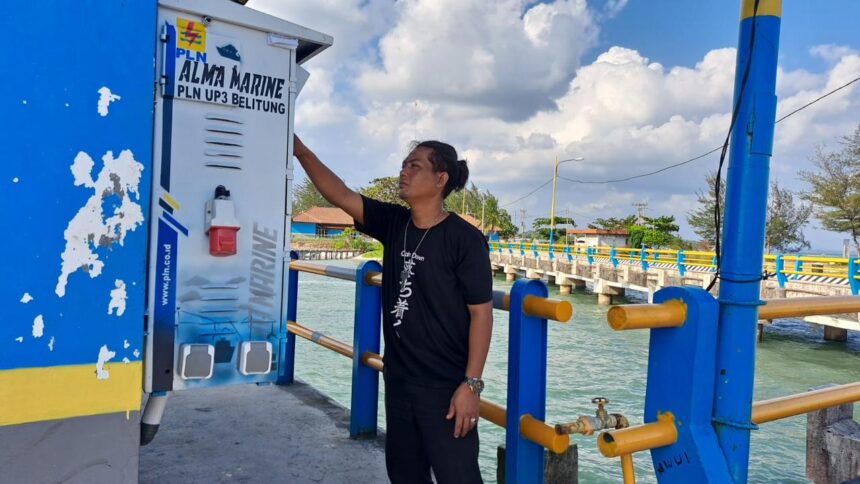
x=365, y=380
x=780, y=271
x=527, y=342
x=798, y=267
x=853, y=282
x=682, y=268
x=643, y=258
x=743, y=234
x=589, y=254
x=287, y=340
x=613, y=256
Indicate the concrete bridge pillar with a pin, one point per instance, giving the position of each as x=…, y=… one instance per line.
x=564, y=284
x=533, y=274
x=510, y=273
x=605, y=292
x=835, y=334
x=578, y=283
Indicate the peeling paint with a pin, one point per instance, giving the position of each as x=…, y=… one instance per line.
x=26, y=298
x=125, y=344
x=91, y=228
x=126, y=361
x=38, y=326
x=136, y=353
x=117, y=300
x=105, y=355
x=51, y=344
x=15, y=180
x=105, y=98
x=24, y=101
x=19, y=339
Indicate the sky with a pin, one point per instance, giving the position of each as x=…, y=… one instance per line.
x=629, y=85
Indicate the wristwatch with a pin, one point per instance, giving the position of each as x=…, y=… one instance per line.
x=475, y=384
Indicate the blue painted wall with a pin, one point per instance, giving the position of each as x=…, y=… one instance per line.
x=304, y=229
x=57, y=56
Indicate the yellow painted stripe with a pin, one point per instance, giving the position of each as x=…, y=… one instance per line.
x=170, y=201
x=55, y=392
x=765, y=7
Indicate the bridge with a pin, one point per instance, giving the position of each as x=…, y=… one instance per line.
x=611, y=272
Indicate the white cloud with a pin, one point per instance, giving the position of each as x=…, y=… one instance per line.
x=501, y=57
x=503, y=82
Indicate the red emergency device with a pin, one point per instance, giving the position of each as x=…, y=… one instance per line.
x=221, y=224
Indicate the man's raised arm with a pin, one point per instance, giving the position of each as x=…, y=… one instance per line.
x=330, y=186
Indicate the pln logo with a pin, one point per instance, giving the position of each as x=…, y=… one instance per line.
x=192, y=35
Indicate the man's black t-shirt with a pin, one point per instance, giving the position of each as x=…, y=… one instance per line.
x=425, y=315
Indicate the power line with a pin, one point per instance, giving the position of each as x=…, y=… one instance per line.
x=528, y=194
x=718, y=148
x=675, y=165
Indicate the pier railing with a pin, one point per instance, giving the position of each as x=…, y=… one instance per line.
x=682, y=371
x=529, y=309
x=784, y=268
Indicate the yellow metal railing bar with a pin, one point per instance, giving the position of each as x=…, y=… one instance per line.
x=669, y=314
x=673, y=313
x=530, y=428
x=792, y=405
x=547, y=308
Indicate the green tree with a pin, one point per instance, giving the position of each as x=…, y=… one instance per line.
x=613, y=223
x=785, y=221
x=477, y=203
x=702, y=219
x=785, y=218
x=306, y=196
x=385, y=189
x=835, y=187
x=660, y=232
x=541, y=226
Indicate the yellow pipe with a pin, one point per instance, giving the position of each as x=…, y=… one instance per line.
x=308, y=267
x=494, y=413
x=783, y=407
x=542, y=307
x=670, y=314
x=616, y=443
x=372, y=360
x=627, y=469
x=320, y=339
x=808, y=306
x=542, y=434
x=373, y=279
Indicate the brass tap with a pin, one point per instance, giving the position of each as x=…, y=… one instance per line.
x=602, y=420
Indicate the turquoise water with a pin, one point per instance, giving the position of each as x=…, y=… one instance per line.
x=587, y=359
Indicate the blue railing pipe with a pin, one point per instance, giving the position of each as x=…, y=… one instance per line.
x=287, y=340
x=743, y=233
x=527, y=351
x=365, y=380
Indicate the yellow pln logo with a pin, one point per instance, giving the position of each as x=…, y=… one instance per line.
x=192, y=35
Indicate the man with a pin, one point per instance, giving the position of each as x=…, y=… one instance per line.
x=437, y=313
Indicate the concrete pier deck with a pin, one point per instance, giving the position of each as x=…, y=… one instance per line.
x=285, y=434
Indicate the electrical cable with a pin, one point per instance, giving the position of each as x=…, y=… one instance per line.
x=718, y=182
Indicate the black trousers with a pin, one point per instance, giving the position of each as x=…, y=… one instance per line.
x=419, y=438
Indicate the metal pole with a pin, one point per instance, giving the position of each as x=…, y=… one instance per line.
x=287, y=358
x=743, y=235
x=552, y=210
x=527, y=345
x=365, y=380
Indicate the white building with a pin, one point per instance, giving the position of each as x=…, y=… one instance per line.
x=599, y=237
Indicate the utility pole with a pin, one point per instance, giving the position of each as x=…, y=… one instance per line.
x=641, y=207
x=463, y=209
x=522, y=221
x=483, y=202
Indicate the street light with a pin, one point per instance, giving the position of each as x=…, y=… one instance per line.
x=552, y=212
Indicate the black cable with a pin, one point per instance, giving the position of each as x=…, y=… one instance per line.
x=735, y=111
x=526, y=195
